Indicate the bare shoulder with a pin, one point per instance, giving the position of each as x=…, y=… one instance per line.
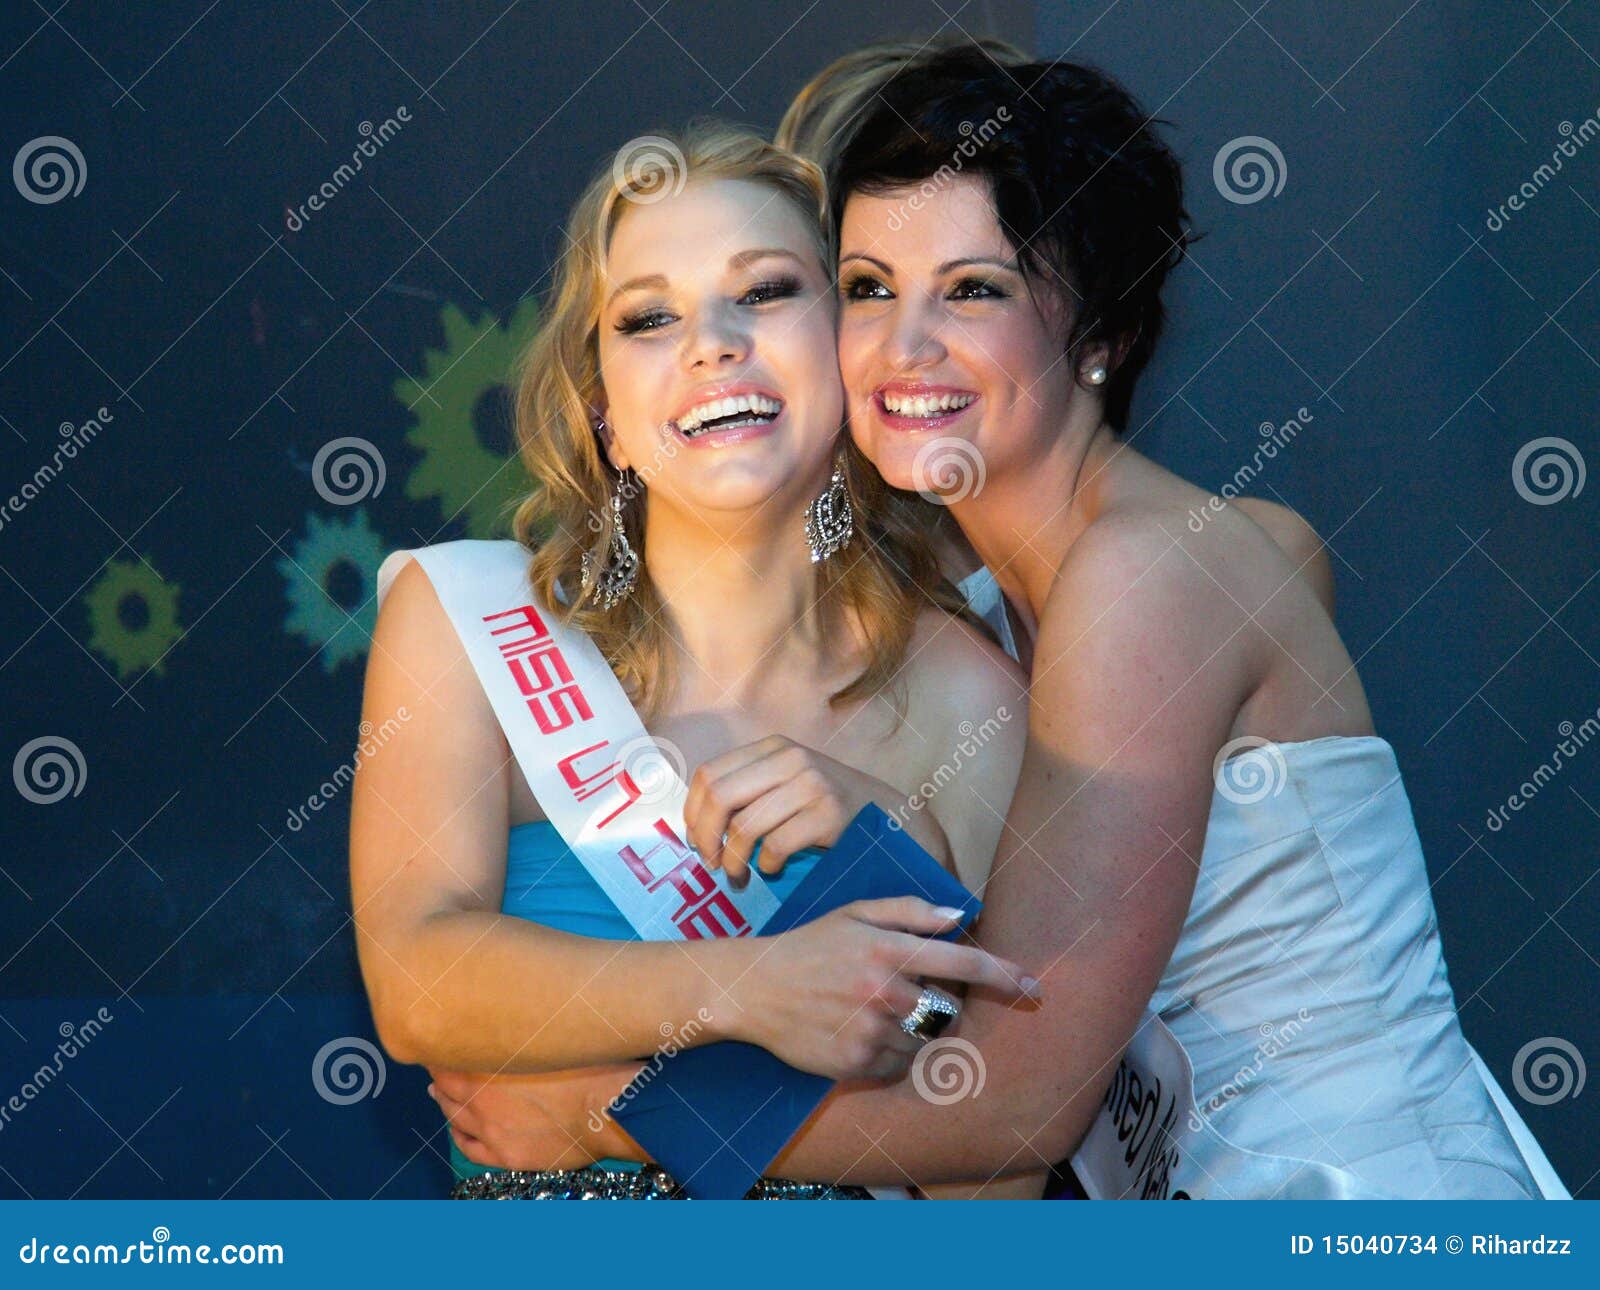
x=1298, y=541
x=1172, y=551
x=416, y=652
x=417, y=667
x=1141, y=600
x=966, y=718
x=1138, y=549
x=412, y=624
x=953, y=668
x=428, y=813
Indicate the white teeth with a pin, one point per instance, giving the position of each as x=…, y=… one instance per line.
x=926, y=405
x=715, y=409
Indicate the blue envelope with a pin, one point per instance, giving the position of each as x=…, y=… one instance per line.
x=714, y=1117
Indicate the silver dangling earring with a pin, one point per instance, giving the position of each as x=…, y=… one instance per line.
x=615, y=580
x=830, y=519
x=1097, y=374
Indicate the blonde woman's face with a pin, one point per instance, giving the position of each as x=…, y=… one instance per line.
x=718, y=349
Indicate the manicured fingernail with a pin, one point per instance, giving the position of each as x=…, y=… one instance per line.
x=1031, y=987
x=949, y=911
x=432, y=1094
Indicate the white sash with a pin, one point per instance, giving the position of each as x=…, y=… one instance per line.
x=582, y=747
x=612, y=794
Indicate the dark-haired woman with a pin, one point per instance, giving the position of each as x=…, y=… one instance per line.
x=1210, y=859
x=1207, y=836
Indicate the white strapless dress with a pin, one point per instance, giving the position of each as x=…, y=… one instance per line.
x=1309, y=990
x=1309, y=994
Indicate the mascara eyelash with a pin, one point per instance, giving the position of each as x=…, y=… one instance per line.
x=848, y=288
x=635, y=322
x=777, y=289
x=994, y=290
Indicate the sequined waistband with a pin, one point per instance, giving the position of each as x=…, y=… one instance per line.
x=650, y=1182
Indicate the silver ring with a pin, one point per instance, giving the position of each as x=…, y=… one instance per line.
x=934, y=1011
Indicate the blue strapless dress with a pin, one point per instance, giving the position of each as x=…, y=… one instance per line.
x=546, y=883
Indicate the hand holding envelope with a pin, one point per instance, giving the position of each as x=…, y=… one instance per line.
x=714, y=1117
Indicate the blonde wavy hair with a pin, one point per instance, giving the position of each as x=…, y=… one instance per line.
x=879, y=583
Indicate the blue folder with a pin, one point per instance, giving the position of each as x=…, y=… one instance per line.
x=714, y=1117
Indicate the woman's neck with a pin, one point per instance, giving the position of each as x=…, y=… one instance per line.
x=1022, y=523
x=740, y=600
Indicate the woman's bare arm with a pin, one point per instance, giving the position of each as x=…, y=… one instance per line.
x=455, y=984
x=1140, y=670
x=969, y=708
x=453, y=981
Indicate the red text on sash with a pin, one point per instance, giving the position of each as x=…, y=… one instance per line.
x=556, y=702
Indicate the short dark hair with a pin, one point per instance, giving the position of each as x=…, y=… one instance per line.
x=1089, y=197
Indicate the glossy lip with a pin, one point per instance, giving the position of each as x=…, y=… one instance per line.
x=906, y=389
x=737, y=435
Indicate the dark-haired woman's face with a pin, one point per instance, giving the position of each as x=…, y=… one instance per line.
x=940, y=339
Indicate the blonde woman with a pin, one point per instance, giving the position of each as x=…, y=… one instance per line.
x=773, y=617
